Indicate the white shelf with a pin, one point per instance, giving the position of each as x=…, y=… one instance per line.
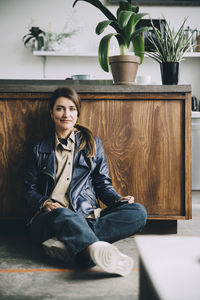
x=92, y=54
x=195, y=114
x=192, y=54
x=61, y=53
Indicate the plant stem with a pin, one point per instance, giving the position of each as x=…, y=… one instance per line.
x=123, y=49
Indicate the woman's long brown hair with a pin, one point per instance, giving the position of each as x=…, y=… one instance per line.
x=87, y=137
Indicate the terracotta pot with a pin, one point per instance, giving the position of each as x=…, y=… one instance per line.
x=124, y=68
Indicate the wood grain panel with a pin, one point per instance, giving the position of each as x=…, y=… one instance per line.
x=22, y=122
x=143, y=141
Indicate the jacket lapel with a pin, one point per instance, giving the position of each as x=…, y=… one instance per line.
x=49, y=164
x=80, y=157
x=81, y=170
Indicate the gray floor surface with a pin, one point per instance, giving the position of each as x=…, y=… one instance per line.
x=26, y=272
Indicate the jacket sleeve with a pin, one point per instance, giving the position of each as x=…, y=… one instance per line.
x=102, y=181
x=32, y=192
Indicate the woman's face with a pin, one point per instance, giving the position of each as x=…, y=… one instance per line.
x=64, y=116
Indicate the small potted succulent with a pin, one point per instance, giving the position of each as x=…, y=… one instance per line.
x=124, y=66
x=169, y=47
x=36, y=35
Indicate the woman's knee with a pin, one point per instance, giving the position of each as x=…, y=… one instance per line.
x=139, y=212
x=142, y=214
x=140, y=208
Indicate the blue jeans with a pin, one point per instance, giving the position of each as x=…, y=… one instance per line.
x=77, y=233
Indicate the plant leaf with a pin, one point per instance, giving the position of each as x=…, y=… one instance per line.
x=40, y=42
x=123, y=18
x=140, y=30
x=102, y=26
x=155, y=56
x=103, y=51
x=104, y=10
x=125, y=5
x=135, y=9
x=138, y=17
x=25, y=36
x=36, y=31
x=100, y=6
x=28, y=39
x=129, y=29
x=138, y=46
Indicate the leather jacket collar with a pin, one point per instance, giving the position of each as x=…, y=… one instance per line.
x=48, y=147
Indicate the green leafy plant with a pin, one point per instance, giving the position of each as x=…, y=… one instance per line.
x=127, y=16
x=54, y=41
x=35, y=33
x=58, y=37
x=169, y=46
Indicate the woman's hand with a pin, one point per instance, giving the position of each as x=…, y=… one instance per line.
x=50, y=205
x=130, y=199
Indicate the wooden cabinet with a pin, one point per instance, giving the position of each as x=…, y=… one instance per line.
x=145, y=139
x=145, y=130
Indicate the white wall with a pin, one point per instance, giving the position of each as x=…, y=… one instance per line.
x=17, y=62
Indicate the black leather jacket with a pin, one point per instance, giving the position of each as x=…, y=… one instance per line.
x=90, y=177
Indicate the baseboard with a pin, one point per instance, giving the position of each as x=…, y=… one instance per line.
x=160, y=227
x=9, y=226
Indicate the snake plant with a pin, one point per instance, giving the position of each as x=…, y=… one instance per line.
x=127, y=16
x=169, y=45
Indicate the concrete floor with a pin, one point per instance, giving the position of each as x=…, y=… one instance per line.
x=26, y=273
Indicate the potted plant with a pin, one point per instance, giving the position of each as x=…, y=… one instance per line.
x=36, y=35
x=168, y=49
x=124, y=66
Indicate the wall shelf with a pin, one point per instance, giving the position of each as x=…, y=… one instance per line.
x=92, y=54
x=195, y=114
x=192, y=54
x=62, y=53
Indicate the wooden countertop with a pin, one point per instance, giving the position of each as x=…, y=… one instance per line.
x=87, y=86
